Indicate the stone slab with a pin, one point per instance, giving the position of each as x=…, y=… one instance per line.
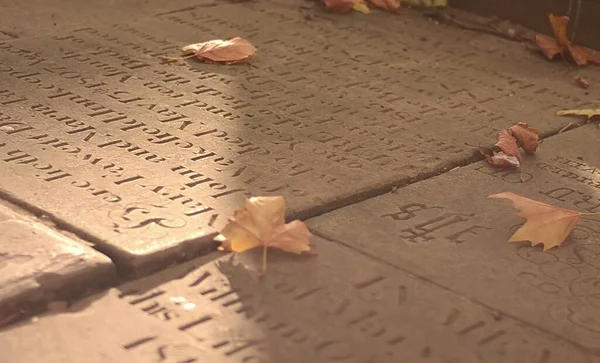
x=337, y=307
x=32, y=18
x=159, y=155
x=39, y=265
x=446, y=230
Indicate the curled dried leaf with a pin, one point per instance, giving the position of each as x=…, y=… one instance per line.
x=527, y=137
x=508, y=144
x=559, y=27
x=339, y=6
x=548, y=45
x=230, y=51
x=561, y=43
x=393, y=6
x=501, y=160
x=546, y=224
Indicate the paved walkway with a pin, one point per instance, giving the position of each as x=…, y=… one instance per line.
x=118, y=170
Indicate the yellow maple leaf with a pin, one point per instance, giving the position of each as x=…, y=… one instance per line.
x=584, y=112
x=262, y=223
x=546, y=224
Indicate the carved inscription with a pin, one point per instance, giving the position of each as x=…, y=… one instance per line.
x=333, y=321
x=438, y=223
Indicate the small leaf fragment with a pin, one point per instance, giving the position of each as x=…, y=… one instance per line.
x=501, y=160
x=546, y=224
x=235, y=50
x=582, y=112
x=361, y=6
x=508, y=145
x=339, y=6
x=526, y=136
x=392, y=6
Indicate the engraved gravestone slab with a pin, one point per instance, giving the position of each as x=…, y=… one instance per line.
x=33, y=18
x=337, y=307
x=158, y=155
x=38, y=265
x=447, y=230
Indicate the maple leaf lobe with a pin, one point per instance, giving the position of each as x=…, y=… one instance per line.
x=545, y=224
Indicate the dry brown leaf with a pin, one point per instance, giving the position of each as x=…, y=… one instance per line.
x=561, y=43
x=548, y=45
x=500, y=159
x=393, y=6
x=508, y=145
x=527, y=137
x=230, y=51
x=339, y=6
x=583, y=112
x=559, y=27
x=546, y=224
x=262, y=224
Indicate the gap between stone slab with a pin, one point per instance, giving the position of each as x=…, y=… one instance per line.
x=593, y=352
x=125, y=273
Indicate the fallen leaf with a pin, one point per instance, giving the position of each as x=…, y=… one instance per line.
x=262, y=224
x=501, y=160
x=559, y=27
x=361, y=6
x=526, y=136
x=584, y=55
x=583, y=112
x=230, y=51
x=561, y=43
x=339, y=6
x=548, y=45
x=508, y=145
x=393, y=6
x=546, y=224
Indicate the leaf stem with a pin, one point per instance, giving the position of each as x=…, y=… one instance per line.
x=264, y=262
x=165, y=57
x=590, y=214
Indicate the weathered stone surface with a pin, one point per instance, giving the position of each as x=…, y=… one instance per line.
x=336, y=307
x=38, y=265
x=446, y=229
x=32, y=18
x=158, y=155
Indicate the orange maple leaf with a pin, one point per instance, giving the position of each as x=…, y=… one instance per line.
x=546, y=224
x=561, y=43
x=262, y=224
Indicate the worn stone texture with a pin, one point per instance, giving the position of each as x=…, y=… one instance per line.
x=39, y=265
x=446, y=230
x=339, y=306
x=331, y=111
x=32, y=18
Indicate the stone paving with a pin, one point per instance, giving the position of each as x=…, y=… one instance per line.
x=118, y=170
